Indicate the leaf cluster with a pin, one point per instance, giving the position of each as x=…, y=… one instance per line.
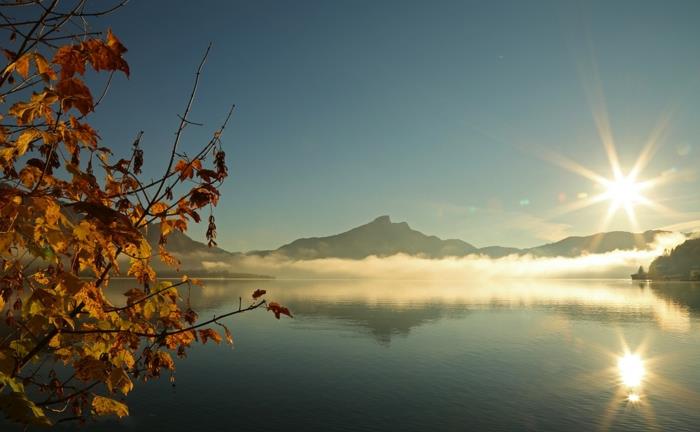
x=73, y=215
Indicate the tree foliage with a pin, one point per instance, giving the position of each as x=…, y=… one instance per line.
x=74, y=213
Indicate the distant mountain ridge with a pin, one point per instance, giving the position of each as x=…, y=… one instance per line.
x=596, y=243
x=193, y=256
x=382, y=238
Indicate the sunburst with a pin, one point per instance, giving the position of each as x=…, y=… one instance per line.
x=623, y=191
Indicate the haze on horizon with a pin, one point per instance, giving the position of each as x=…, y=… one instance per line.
x=457, y=117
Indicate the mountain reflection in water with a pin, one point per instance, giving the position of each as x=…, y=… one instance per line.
x=378, y=355
x=386, y=308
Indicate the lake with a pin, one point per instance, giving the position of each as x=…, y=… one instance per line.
x=364, y=355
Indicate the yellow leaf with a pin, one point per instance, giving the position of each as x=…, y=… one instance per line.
x=105, y=406
x=55, y=341
x=22, y=65
x=22, y=143
x=158, y=207
x=29, y=175
x=82, y=231
x=43, y=67
x=119, y=380
x=123, y=358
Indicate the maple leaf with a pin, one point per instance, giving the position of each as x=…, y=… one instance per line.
x=158, y=208
x=259, y=293
x=29, y=175
x=38, y=106
x=105, y=406
x=278, y=310
x=186, y=169
x=119, y=380
x=82, y=230
x=71, y=60
x=114, y=44
x=22, y=65
x=168, y=258
x=207, y=334
x=227, y=333
x=43, y=67
x=74, y=93
x=24, y=140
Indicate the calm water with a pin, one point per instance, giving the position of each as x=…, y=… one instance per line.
x=423, y=356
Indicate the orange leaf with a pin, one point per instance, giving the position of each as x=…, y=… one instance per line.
x=22, y=65
x=104, y=406
x=207, y=334
x=71, y=60
x=74, y=93
x=43, y=67
x=114, y=44
x=186, y=169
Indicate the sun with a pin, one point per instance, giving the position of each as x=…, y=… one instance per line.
x=624, y=191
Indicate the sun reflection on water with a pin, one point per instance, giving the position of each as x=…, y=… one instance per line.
x=633, y=398
x=631, y=370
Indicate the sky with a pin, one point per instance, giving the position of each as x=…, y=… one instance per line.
x=446, y=115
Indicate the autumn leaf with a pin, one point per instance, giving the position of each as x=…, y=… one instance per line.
x=43, y=67
x=71, y=60
x=227, y=334
x=158, y=208
x=105, y=406
x=207, y=334
x=278, y=310
x=168, y=258
x=19, y=408
x=29, y=175
x=119, y=380
x=22, y=65
x=259, y=293
x=114, y=44
x=74, y=94
x=186, y=169
x=38, y=106
x=82, y=230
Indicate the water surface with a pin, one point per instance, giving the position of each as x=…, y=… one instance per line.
x=426, y=356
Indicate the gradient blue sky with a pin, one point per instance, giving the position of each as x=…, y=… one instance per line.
x=434, y=112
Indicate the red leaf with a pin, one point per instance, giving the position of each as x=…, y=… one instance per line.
x=278, y=310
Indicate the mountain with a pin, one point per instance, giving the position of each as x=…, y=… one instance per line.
x=682, y=263
x=499, y=251
x=194, y=257
x=596, y=243
x=381, y=237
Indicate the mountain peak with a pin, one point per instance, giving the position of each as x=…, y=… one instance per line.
x=385, y=219
x=381, y=238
